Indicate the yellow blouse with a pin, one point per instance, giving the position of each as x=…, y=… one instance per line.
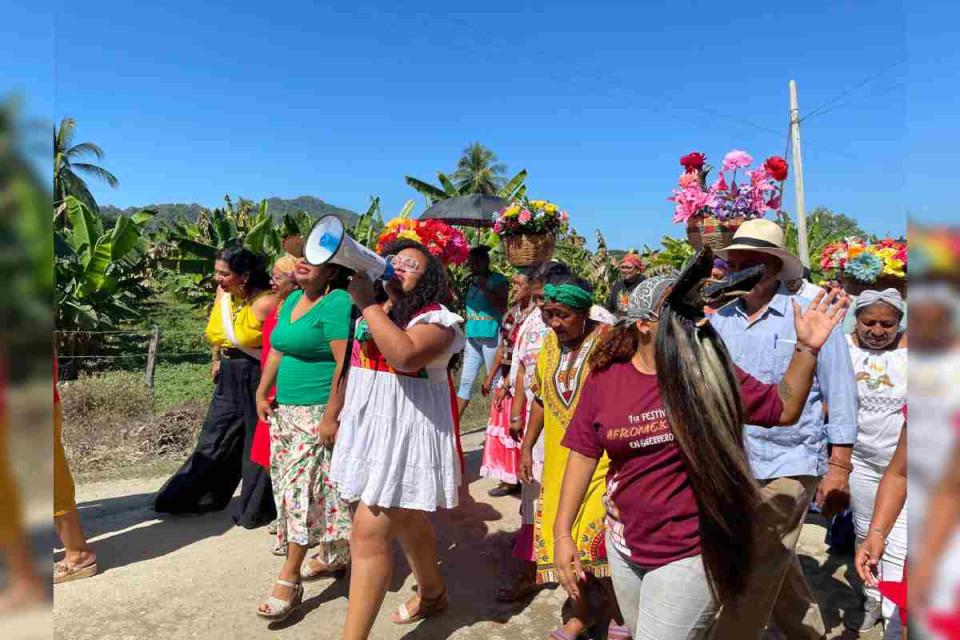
x=245, y=324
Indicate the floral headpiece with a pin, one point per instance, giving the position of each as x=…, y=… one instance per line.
x=724, y=200
x=864, y=261
x=447, y=243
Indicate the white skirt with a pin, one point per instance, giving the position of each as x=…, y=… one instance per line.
x=396, y=445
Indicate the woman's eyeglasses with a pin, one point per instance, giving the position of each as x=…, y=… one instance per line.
x=399, y=263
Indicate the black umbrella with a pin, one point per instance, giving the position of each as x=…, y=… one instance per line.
x=475, y=210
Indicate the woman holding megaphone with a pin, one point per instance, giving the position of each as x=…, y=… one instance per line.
x=396, y=454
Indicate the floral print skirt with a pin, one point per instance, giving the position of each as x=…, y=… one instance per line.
x=309, y=509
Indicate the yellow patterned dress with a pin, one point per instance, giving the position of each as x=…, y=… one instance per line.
x=559, y=380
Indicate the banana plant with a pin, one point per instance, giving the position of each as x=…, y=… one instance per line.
x=99, y=272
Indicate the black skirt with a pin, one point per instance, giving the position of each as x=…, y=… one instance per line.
x=209, y=477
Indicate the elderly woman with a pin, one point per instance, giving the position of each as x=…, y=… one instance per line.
x=561, y=368
x=878, y=350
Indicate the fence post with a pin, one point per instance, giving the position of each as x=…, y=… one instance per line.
x=152, y=355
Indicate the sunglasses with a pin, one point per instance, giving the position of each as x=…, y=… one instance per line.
x=399, y=263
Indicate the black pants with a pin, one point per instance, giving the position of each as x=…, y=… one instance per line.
x=208, y=478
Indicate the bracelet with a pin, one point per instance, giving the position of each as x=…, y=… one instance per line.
x=514, y=419
x=801, y=348
x=563, y=537
x=877, y=531
x=848, y=467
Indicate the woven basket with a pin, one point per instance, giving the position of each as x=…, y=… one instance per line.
x=527, y=250
x=854, y=287
x=716, y=234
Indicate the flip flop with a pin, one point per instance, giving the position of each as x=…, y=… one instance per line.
x=63, y=572
x=428, y=608
x=618, y=632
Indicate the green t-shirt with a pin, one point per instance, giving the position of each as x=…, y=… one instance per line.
x=483, y=321
x=307, y=367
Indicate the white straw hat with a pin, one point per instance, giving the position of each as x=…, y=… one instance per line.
x=766, y=236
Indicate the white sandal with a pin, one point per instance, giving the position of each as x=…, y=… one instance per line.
x=280, y=609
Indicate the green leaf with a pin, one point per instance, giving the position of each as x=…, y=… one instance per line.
x=512, y=185
x=86, y=225
x=448, y=186
x=427, y=189
x=255, y=238
x=407, y=208
x=197, y=248
x=143, y=217
x=123, y=238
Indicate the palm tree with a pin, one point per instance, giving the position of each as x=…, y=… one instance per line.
x=66, y=181
x=479, y=171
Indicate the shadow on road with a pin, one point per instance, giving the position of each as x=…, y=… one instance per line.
x=126, y=530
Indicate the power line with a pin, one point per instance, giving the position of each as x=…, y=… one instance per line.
x=824, y=108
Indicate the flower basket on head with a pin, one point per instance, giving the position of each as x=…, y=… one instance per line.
x=862, y=265
x=528, y=229
x=528, y=250
x=714, y=213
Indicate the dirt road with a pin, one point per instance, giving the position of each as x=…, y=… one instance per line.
x=201, y=577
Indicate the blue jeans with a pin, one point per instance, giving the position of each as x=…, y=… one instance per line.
x=672, y=602
x=479, y=351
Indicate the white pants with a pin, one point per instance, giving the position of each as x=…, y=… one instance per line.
x=864, y=482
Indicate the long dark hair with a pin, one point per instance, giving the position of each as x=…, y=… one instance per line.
x=243, y=261
x=701, y=397
x=433, y=287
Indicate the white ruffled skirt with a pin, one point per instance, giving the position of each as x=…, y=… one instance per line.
x=396, y=445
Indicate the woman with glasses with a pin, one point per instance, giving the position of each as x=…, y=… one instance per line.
x=396, y=454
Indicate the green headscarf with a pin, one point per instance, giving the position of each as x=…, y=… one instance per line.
x=570, y=295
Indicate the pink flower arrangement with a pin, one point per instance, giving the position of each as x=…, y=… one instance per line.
x=729, y=200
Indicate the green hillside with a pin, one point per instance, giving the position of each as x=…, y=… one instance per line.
x=276, y=206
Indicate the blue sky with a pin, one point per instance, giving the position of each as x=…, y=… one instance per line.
x=598, y=101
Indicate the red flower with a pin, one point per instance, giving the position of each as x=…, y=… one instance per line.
x=693, y=161
x=776, y=167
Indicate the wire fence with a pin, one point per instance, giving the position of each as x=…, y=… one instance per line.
x=82, y=351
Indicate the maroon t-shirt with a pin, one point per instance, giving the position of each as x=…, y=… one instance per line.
x=621, y=412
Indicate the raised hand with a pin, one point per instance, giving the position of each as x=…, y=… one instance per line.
x=813, y=326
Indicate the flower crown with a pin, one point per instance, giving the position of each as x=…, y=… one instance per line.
x=447, y=243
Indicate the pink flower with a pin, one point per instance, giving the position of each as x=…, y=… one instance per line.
x=525, y=216
x=736, y=159
x=690, y=201
x=497, y=227
x=564, y=216
x=689, y=179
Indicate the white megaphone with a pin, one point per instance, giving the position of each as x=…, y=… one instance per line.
x=329, y=242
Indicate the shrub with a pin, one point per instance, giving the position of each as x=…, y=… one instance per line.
x=180, y=384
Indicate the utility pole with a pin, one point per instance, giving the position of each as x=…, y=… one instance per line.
x=798, y=176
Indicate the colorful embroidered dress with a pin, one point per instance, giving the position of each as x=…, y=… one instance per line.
x=397, y=444
x=501, y=450
x=559, y=380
